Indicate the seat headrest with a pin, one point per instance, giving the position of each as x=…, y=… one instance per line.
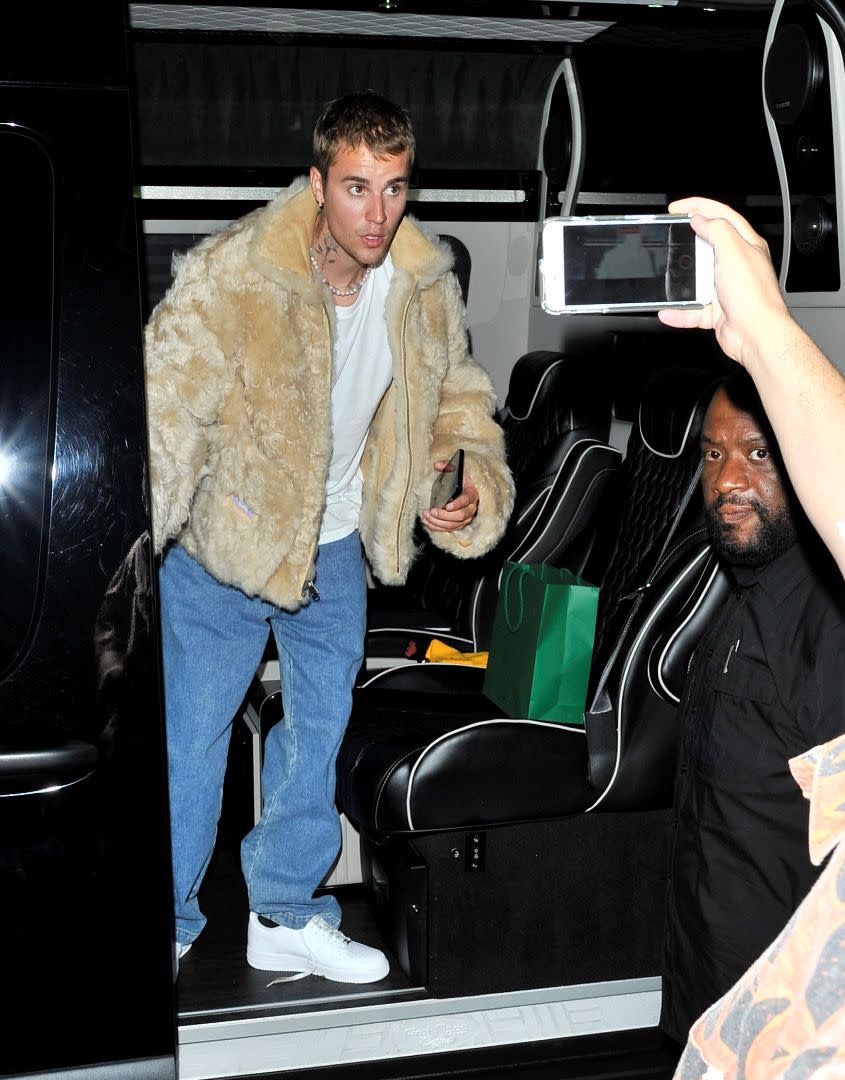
x=535, y=378
x=672, y=407
x=462, y=264
x=544, y=381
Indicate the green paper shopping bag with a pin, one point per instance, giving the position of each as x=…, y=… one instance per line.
x=542, y=643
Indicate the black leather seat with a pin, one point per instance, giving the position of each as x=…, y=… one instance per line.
x=556, y=427
x=414, y=765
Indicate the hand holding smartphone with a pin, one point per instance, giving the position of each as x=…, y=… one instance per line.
x=626, y=263
x=449, y=483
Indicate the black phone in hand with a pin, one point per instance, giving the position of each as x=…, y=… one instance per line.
x=450, y=483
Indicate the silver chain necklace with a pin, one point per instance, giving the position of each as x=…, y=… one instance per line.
x=333, y=289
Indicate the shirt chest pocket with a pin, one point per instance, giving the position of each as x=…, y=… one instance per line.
x=746, y=680
x=738, y=750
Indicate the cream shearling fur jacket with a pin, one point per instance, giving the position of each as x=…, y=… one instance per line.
x=239, y=365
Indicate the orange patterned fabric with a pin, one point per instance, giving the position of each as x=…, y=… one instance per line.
x=785, y=1018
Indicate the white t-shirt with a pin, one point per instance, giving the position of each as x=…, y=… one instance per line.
x=361, y=372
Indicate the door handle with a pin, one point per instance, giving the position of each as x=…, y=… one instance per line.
x=35, y=770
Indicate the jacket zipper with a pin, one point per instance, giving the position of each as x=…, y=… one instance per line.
x=309, y=589
x=405, y=493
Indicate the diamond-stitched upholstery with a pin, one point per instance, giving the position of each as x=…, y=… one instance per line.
x=655, y=487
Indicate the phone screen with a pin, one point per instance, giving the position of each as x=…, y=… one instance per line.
x=631, y=262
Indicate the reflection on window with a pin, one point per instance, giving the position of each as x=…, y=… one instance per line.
x=26, y=332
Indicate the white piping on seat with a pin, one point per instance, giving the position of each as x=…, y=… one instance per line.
x=383, y=672
x=539, y=497
x=468, y=727
x=519, y=553
x=648, y=445
x=597, y=446
x=546, y=374
x=629, y=661
x=414, y=630
x=671, y=640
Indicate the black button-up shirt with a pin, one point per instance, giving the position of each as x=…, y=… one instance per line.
x=767, y=682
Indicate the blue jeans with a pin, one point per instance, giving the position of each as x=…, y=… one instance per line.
x=213, y=638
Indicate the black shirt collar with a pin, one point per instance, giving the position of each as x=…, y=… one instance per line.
x=782, y=576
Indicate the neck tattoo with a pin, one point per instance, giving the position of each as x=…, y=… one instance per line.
x=333, y=289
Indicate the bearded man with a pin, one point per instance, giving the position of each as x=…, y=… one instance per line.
x=766, y=683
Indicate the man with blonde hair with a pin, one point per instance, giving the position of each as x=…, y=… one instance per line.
x=308, y=373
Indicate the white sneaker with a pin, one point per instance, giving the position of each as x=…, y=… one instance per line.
x=179, y=950
x=316, y=949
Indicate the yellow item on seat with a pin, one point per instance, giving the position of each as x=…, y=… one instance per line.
x=440, y=652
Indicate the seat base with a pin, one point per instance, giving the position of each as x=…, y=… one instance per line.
x=546, y=903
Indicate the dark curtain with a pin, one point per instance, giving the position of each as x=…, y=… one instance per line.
x=253, y=103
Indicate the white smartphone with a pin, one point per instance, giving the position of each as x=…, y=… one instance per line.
x=631, y=262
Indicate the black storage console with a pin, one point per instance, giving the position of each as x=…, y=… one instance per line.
x=517, y=907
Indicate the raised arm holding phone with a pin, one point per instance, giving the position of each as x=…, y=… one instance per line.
x=784, y=1016
x=803, y=393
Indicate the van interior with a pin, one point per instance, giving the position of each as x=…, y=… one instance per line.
x=513, y=870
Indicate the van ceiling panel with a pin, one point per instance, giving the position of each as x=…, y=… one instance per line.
x=358, y=23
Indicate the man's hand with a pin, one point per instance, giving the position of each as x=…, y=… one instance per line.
x=456, y=514
x=748, y=309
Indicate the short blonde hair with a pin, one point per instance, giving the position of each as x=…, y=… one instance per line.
x=361, y=118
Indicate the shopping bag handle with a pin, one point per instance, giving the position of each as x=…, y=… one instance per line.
x=521, y=575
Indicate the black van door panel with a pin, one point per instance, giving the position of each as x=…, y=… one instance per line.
x=84, y=868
